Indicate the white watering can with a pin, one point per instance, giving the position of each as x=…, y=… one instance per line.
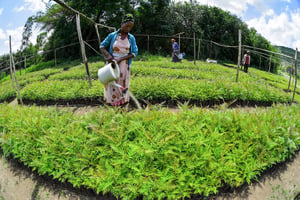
x=109, y=74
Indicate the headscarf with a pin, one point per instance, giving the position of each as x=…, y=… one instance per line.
x=127, y=18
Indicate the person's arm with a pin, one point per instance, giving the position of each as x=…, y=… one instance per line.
x=133, y=47
x=176, y=47
x=106, y=54
x=124, y=58
x=106, y=44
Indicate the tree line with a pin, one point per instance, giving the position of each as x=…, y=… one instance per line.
x=155, y=17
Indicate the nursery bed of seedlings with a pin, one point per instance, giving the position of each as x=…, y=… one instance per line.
x=152, y=153
x=203, y=84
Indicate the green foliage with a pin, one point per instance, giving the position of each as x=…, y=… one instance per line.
x=155, y=81
x=40, y=66
x=61, y=90
x=159, y=81
x=163, y=17
x=7, y=92
x=152, y=153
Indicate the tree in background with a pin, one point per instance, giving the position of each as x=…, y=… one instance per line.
x=155, y=17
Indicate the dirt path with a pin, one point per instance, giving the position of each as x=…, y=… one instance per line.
x=18, y=182
x=282, y=182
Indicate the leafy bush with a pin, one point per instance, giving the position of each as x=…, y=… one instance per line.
x=153, y=153
x=61, y=90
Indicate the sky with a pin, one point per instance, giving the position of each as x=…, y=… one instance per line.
x=276, y=20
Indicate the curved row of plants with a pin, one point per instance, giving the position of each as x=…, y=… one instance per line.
x=188, y=82
x=153, y=154
x=156, y=89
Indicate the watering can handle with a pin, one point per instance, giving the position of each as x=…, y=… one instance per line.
x=114, y=62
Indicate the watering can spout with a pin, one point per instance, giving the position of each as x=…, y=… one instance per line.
x=124, y=90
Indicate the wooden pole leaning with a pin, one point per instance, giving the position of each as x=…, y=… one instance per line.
x=296, y=56
x=82, y=46
x=239, y=55
x=98, y=35
x=14, y=70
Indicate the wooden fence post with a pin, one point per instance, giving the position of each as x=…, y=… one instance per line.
x=210, y=49
x=259, y=62
x=179, y=42
x=25, y=65
x=14, y=69
x=199, y=49
x=270, y=63
x=296, y=56
x=84, y=58
x=11, y=70
x=194, y=48
x=20, y=68
x=148, y=46
x=239, y=55
x=55, y=57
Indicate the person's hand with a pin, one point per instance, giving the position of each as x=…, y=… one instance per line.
x=110, y=59
x=117, y=59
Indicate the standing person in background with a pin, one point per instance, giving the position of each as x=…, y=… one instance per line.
x=246, y=61
x=175, y=52
x=120, y=46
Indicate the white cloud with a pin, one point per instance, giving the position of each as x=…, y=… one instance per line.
x=269, y=12
x=35, y=5
x=1, y=11
x=19, y=9
x=282, y=29
x=32, y=5
x=236, y=7
x=16, y=38
x=2, y=34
